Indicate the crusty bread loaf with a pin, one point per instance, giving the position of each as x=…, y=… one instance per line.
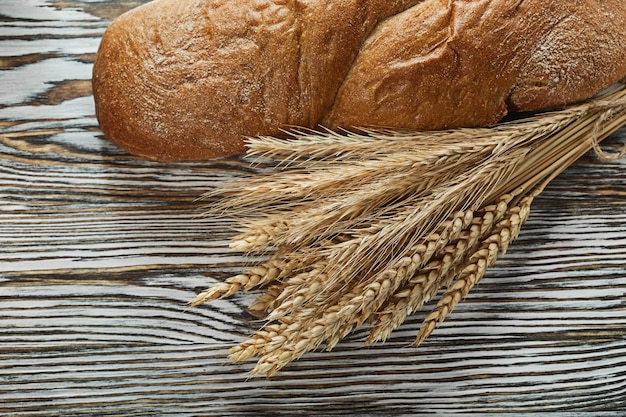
x=191, y=79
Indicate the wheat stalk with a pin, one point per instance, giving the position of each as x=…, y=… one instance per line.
x=438, y=272
x=367, y=227
x=476, y=265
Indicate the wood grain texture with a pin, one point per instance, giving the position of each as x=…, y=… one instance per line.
x=100, y=253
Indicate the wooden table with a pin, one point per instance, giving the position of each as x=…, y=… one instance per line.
x=101, y=251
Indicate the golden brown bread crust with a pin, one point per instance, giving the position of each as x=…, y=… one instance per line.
x=191, y=79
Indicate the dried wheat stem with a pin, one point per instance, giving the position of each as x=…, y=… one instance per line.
x=559, y=158
x=265, y=301
x=230, y=286
x=308, y=147
x=352, y=200
x=330, y=324
x=258, y=238
x=302, y=331
x=313, y=148
x=398, y=271
x=373, y=225
x=256, y=345
x=296, y=341
x=298, y=290
x=498, y=241
x=281, y=187
x=258, y=276
x=584, y=132
x=392, y=236
x=367, y=295
x=427, y=282
x=419, y=290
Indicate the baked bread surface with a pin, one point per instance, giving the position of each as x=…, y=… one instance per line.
x=192, y=79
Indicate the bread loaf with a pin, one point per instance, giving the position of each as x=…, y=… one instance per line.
x=191, y=79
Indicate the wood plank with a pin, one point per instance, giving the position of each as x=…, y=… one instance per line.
x=100, y=253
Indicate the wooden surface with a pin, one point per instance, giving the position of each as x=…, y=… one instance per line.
x=101, y=251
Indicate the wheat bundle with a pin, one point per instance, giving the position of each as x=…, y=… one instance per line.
x=365, y=228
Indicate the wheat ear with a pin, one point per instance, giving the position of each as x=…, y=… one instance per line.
x=476, y=266
x=273, y=269
x=367, y=227
x=437, y=273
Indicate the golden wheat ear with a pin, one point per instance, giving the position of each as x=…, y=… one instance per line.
x=368, y=227
x=474, y=268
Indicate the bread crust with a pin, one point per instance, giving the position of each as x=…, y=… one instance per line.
x=192, y=79
x=472, y=63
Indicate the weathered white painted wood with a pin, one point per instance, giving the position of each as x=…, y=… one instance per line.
x=100, y=253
